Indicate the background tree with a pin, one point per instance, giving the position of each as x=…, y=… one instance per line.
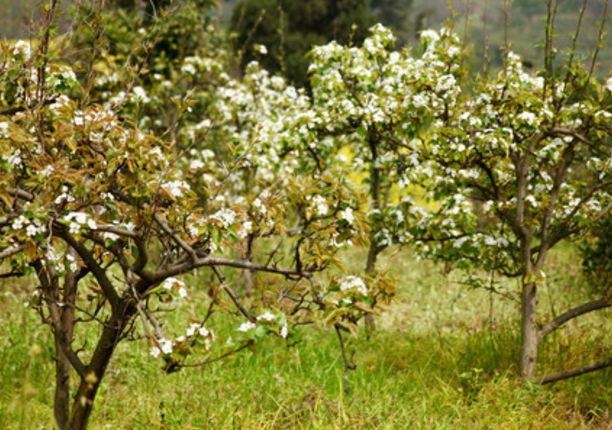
x=374, y=105
x=395, y=14
x=290, y=28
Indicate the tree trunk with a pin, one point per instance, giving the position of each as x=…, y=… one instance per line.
x=372, y=257
x=247, y=277
x=529, y=332
x=370, y=266
x=84, y=400
x=377, y=206
x=62, y=364
x=61, y=401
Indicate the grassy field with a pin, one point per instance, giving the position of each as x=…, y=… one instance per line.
x=443, y=358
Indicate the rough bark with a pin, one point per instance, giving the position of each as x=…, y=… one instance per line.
x=247, y=277
x=529, y=332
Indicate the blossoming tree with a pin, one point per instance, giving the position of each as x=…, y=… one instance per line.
x=534, y=150
x=103, y=217
x=376, y=106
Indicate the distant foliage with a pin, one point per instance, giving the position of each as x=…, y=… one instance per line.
x=289, y=29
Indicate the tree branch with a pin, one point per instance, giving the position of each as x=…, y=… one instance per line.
x=177, y=269
x=566, y=374
x=180, y=242
x=571, y=314
x=59, y=331
x=92, y=264
x=232, y=294
x=11, y=251
x=347, y=366
x=22, y=194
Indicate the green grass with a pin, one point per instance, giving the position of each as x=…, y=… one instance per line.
x=444, y=357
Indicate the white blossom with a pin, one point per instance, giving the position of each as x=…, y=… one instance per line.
x=354, y=283
x=246, y=326
x=347, y=215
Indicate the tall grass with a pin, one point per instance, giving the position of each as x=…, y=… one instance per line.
x=443, y=358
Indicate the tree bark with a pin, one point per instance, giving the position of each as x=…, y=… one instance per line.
x=86, y=394
x=529, y=332
x=61, y=401
x=247, y=279
x=61, y=404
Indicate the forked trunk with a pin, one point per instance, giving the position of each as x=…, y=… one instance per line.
x=529, y=332
x=84, y=400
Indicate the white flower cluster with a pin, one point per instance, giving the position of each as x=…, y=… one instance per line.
x=15, y=159
x=246, y=326
x=4, y=130
x=22, y=49
x=171, y=284
x=267, y=317
x=354, y=283
x=245, y=229
x=347, y=215
x=199, y=330
x=32, y=226
x=261, y=49
x=193, y=65
x=320, y=204
x=261, y=208
x=165, y=347
x=77, y=220
x=140, y=95
x=226, y=217
x=64, y=76
x=176, y=188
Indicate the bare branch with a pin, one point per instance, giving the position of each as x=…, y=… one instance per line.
x=232, y=294
x=212, y=360
x=116, y=230
x=578, y=136
x=566, y=374
x=177, y=269
x=571, y=314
